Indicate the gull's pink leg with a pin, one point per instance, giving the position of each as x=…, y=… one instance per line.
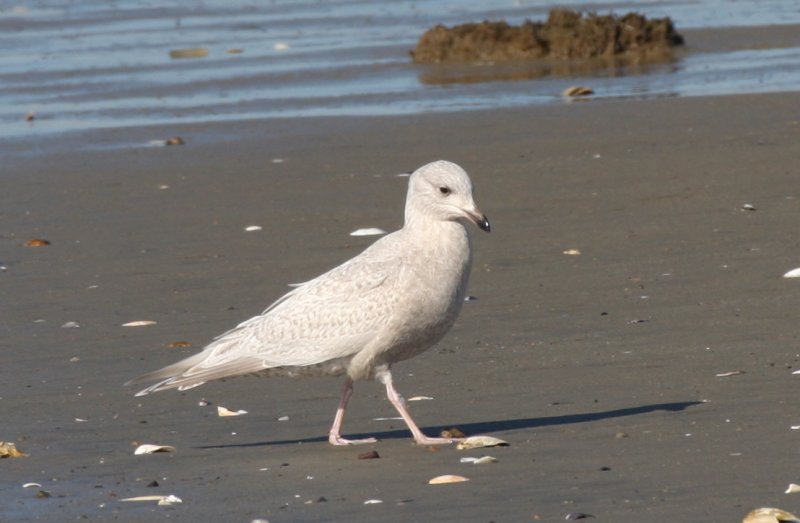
x=399, y=403
x=334, y=436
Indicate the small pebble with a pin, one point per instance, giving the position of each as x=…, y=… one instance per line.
x=372, y=454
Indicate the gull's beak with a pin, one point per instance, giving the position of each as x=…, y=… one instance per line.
x=479, y=219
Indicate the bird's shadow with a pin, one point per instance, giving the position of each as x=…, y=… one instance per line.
x=483, y=427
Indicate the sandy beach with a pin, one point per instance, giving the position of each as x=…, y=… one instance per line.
x=601, y=368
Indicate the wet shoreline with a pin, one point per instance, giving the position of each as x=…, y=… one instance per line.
x=106, y=68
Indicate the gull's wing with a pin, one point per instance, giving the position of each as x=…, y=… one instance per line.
x=330, y=317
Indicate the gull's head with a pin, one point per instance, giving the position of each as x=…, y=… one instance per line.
x=442, y=191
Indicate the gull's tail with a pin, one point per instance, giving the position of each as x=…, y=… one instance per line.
x=171, y=377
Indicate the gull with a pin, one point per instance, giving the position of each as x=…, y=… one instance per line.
x=393, y=301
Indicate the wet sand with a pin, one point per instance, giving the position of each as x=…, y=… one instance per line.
x=599, y=368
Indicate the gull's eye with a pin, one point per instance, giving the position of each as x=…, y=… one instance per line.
x=444, y=190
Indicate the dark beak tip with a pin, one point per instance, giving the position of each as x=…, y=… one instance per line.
x=485, y=225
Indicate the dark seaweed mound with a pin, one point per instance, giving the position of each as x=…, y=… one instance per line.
x=565, y=35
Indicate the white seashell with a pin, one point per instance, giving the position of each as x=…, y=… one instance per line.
x=420, y=398
x=447, y=478
x=281, y=46
x=70, y=325
x=144, y=498
x=749, y=207
x=474, y=442
x=793, y=488
x=727, y=374
x=148, y=448
x=373, y=501
x=794, y=273
x=769, y=515
x=370, y=231
x=222, y=411
x=283, y=418
x=139, y=323
x=29, y=485
x=572, y=252
x=251, y=228
x=483, y=460
x=170, y=500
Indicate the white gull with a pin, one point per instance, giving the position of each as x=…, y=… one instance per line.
x=390, y=303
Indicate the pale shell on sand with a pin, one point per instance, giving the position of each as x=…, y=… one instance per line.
x=9, y=450
x=769, y=515
x=148, y=448
x=369, y=231
x=171, y=499
x=483, y=460
x=447, y=478
x=139, y=323
x=794, y=273
x=222, y=411
x=793, y=488
x=474, y=442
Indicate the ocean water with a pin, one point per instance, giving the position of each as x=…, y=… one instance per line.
x=78, y=65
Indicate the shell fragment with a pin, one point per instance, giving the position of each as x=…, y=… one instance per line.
x=483, y=460
x=222, y=411
x=793, y=488
x=447, y=478
x=139, y=323
x=474, y=442
x=794, y=273
x=369, y=231
x=9, y=450
x=769, y=515
x=161, y=500
x=148, y=448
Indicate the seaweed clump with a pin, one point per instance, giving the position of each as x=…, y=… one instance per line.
x=566, y=35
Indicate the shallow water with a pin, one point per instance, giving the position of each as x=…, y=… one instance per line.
x=102, y=64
